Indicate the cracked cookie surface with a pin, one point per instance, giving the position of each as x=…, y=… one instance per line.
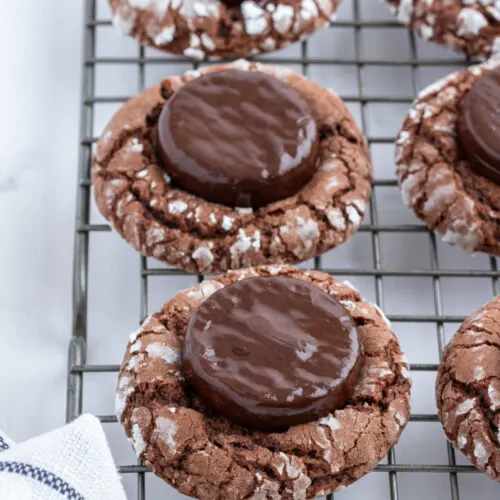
x=134, y=193
x=468, y=389
x=212, y=29
x=206, y=456
x=436, y=180
x=468, y=26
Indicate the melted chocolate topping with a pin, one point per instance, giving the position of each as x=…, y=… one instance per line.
x=479, y=125
x=238, y=138
x=236, y=3
x=268, y=353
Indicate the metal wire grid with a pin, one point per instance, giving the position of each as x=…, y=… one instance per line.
x=84, y=229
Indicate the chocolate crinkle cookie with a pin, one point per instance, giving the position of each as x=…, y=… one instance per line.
x=232, y=166
x=468, y=26
x=468, y=389
x=352, y=411
x=446, y=155
x=214, y=29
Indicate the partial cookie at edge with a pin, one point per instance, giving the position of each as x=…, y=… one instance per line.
x=436, y=180
x=211, y=30
x=468, y=389
x=471, y=27
x=134, y=193
x=207, y=457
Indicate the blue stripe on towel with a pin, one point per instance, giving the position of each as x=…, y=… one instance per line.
x=3, y=444
x=45, y=477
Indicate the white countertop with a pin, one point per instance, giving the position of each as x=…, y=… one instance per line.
x=39, y=124
x=39, y=119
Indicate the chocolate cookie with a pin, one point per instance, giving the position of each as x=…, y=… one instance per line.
x=468, y=389
x=206, y=456
x=468, y=26
x=215, y=29
x=442, y=166
x=141, y=194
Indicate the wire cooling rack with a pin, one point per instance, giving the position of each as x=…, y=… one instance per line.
x=425, y=287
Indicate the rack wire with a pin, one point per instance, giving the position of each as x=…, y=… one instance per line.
x=378, y=270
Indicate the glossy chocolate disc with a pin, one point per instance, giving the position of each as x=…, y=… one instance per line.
x=238, y=138
x=234, y=3
x=268, y=353
x=479, y=125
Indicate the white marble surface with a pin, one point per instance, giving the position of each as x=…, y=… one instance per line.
x=39, y=110
x=39, y=94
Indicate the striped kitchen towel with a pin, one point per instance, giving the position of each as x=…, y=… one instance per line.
x=73, y=463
